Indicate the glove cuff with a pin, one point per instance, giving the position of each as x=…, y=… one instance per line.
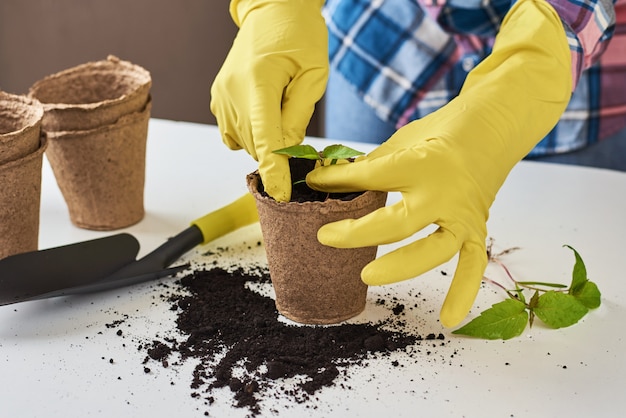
x=519, y=92
x=239, y=9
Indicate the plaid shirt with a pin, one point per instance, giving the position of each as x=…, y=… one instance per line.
x=407, y=58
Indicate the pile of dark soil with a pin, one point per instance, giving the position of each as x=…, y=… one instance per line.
x=238, y=341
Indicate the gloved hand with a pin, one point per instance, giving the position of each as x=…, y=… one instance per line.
x=449, y=165
x=264, y=95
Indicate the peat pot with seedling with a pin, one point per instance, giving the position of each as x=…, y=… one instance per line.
x=314, y=283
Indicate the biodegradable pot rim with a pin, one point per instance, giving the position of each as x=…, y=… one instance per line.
x=124, y=120
x=140, y=74
x=315, y=206
x=34, y=108
x=43, y=144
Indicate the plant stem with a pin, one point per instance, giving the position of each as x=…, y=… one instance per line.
x=518, y=285
x=506, y=270
x=493, y=282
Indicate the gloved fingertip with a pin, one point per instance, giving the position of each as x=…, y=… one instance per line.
x=335, y=235
x=279, y=194
x=276, y=177
x=312, y=179
x=230, y=142
x=371, y=276
x=232, y=145
x=370, y=281
x=326, y=235
x=450, y=318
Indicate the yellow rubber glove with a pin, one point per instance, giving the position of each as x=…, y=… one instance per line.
x=449, y=165
x=264, y=95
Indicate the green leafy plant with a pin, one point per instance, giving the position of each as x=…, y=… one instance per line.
x=332, y=152
x=556, y=305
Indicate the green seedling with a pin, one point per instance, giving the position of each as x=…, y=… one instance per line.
x=556, y=305
x=332, y=152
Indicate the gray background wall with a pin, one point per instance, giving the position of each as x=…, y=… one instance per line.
x=181, y=42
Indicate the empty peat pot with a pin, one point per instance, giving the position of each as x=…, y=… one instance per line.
x=21, y=155
x=92, y=94
x=96, y=120
x=101, y=171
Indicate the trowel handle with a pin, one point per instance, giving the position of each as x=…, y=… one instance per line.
x=240, y=213
x=211, y=226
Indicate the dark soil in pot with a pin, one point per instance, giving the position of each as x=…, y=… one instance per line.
x=300, y=191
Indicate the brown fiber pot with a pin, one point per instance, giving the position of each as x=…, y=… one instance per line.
x=314, y=283
x=20, y=199
x=20, y=126
x=101, y=171
x=92, y=95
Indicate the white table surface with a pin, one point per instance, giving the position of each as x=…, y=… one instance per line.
x=54, y=354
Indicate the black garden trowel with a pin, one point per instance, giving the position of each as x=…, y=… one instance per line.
x=109, y=262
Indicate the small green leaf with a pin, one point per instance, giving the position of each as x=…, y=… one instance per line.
x=504, y=320
x=338, y=152
x=579, y=274
x=559, y=310
x=300, y=151
x=589, y=295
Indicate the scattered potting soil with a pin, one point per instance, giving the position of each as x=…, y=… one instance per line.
x=225, y=338
x=235, y=335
